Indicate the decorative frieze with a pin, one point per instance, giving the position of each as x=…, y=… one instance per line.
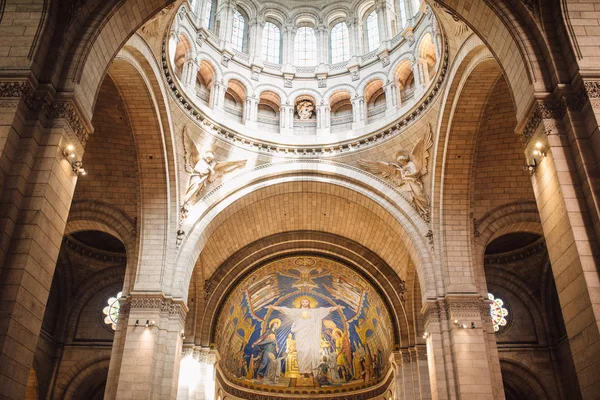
x=592, y=90
x=158, y=303
x=66, y=111
x=454, y=308
x=550, y=110
x=12, y=92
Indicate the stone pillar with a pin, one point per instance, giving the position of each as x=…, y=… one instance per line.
x=323, y=120
x=197, y=374
x=354, y=39
x=414, y=66
x=145, y=362
x=390, y=103
x=258, y=31
x=286, y=119
x=566, y=207
x=322, y=44
x=285, y=42
x=36, y=188
x=217, y=96
x=461, y=359
x=424, y=70
x=190, y=75
x=251, y=111
x=358, y=112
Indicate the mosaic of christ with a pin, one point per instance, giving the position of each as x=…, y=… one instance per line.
x=304, y=321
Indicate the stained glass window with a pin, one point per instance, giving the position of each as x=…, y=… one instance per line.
x=372, y=31
x=237, y=35
x=271, y=43
x=340, y=43
x=402, y=10
x=497, y=312
x=416, y=5
x=305, y=47
x=207, y=12
x=112, y=311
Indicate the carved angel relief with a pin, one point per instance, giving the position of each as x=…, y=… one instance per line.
x=203, y=169
x=408, y=170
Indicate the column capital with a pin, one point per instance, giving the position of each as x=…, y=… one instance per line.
x=154, y=302
x=456, y=307
x=67, y=114
x=201, y=354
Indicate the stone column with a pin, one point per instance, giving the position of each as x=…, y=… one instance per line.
x=424, y=69
x=323, y=120
x=461, y=360
x=287, y=119
x=36, y=188
x=250, y=111
x=217, y=96
x=197, y=374
x=190, y=75
x=414, y=66
x=566, y=207
x=145, y=362
x=381, y=21
x=352, y=23
x=390, y=94
x=322, y=44
x=358, y=112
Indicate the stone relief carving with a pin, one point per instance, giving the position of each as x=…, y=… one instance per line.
x=305, y=109
x=203, y=169
x=408, y=170
x=67, y=111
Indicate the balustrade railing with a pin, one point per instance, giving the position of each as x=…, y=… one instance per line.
x=376, y=110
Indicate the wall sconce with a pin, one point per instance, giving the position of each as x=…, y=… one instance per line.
x=182, y=334
x=137, y=322
x=425, y=335
x=71, y=156
x=459, y=325
x=537, y=154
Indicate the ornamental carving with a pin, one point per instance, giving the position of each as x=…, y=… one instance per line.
x=158, y=303
x=305, y=109
x=203, y=169
x=408, y=171
x=593, y=93
x=66, y=110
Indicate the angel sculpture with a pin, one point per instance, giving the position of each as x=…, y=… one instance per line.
x=202, y=169
x=408, y=170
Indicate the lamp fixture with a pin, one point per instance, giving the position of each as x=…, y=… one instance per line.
x=425, y=335
x=71, y=156
x=459, y=325
x=137, y=322
x=537, y=154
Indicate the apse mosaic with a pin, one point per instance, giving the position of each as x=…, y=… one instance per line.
x=304, y=322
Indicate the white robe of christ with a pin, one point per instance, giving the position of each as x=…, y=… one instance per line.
x=307, y=327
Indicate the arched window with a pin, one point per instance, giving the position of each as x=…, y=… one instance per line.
x=237, y=35
x=271, y=43
x=402, y=12
x=372, y=31
x=340, y=43
x=305, y=47
x=207, y=12
x=416, y=5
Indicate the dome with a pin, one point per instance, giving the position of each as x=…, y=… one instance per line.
x=304, y=79
x=304, y=325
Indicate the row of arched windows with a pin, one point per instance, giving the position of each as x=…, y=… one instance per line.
x=305, y=41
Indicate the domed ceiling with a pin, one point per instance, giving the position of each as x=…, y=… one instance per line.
x=304, y=325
